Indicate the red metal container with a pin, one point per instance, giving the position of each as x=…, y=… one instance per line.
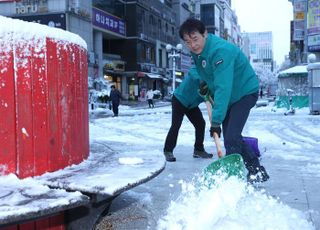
x=43, y=104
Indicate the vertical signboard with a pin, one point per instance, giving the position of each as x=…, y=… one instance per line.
x=299, y=9
x=313, y=29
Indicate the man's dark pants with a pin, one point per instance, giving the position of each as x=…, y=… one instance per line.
x=232, y=127
x=115, y=108
x=195, y=117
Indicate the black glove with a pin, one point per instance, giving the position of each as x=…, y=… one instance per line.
x=215, y=129
x=203, y=88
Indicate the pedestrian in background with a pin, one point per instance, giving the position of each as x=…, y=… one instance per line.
x=115, y=97
x=150, y=96
x=185, y=101
x=232, y=83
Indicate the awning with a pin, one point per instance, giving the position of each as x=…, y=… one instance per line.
x=296, y=71
x=155, y=76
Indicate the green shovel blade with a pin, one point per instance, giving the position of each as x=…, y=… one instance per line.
x=230, y=165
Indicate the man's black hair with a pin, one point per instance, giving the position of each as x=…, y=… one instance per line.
x=190, y=26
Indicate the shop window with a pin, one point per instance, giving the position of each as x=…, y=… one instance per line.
x=148, y=53
x=144, y=52
x=151, y=20
x=152, y=55
x=160, y=57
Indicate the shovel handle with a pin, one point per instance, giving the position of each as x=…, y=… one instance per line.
x=215, y=135
x=209, y=109
x=218, y=145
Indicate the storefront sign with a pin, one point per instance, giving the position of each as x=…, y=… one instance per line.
x=299, y=16
x=146, y=67
x=313, y=25
x=314, y=43
x=116, y=65
x=52, y=20
x=298, y=35
x=299, y=5
x=31, y=6
x=313, y=16
x=108, y=22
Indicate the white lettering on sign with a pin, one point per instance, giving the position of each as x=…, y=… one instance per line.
x=26, y=9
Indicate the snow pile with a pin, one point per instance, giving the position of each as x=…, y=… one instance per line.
x=229, y=204
x=130, y=160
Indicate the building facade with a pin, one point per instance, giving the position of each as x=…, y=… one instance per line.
x=261, y=49
x=127, y=39
x=219, y=19
x=305, y=31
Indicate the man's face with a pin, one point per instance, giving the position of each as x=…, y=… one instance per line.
x=195, y=41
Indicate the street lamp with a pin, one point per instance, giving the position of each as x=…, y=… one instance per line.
x=173, y=53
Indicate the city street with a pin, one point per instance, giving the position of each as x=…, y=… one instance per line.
x=289, y=200
x=86, y=90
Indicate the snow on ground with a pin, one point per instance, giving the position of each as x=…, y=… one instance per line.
x=231, y=205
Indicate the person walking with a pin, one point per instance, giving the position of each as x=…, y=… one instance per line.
x=150, y=98
x=185, y=101
x=232, y=82
x=115, y=97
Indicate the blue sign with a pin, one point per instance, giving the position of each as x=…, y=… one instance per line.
x=107, y=21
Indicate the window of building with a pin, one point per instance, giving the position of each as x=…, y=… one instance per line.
x=151, y=20
x=114, y=7
x=207, y=14
x=159, y=28
x=141, y=18
x=144, y=53
x=152, y=55
x=148, y=53
x=160, y=57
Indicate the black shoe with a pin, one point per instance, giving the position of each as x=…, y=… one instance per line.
x=202, y=154
x=169, y=156
x=258, y=176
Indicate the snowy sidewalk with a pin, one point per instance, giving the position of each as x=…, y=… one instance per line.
x=128, y=108
x=294, y=187
x=127, y=151
x=289, y=200
x=106, y=173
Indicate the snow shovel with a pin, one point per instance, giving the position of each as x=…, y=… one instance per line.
x=231, y=165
